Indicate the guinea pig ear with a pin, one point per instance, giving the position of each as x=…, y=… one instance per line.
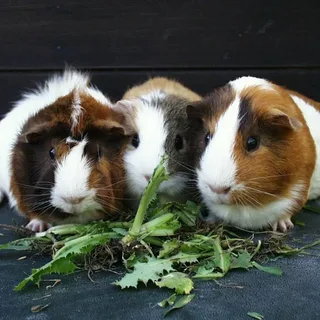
x=127, y=110
x=281, y=119
x=35, y=135
x=194, y=115
x=106, y=128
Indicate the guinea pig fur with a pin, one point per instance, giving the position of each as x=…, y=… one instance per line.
x=257, y=153
x=159, y=107
x=62, y=153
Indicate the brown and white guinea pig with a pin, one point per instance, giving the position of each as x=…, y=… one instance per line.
x=257, y=147
x=159, y=108
x=61, y=155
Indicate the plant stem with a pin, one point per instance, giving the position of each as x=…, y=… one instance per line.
x=149, y=193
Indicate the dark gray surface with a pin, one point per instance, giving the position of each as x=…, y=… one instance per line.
x=146, y=34
x=295, y=295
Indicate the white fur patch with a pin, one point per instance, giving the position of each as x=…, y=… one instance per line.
x=77, y=109
x=71, y=181
x=217, y=165
x=243, y=83
x=70, y=140
x=99, y=96
x=142, y=161
x=249, y=217
x=312, y=117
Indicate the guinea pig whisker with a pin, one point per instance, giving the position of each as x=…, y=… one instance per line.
x=111, y=207
x=183, y=165
x=111, y=197
x=115, y=183
x=41, y=204
x=36, y=195
x=268, y=177
x=45, y=210
x=34, y=187
x=263, y=192
x=248, y=198
x=109, y=187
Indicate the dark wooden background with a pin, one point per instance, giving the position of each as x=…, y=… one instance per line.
x=204, y=44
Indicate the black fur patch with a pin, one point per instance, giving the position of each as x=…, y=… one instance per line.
x=245, y=115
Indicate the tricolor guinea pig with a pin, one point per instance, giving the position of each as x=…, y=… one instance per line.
x=61, y=155
x=257, y=147
x=159, y=108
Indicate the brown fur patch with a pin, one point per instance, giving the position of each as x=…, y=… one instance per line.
x=161, y=83
x=108, y=179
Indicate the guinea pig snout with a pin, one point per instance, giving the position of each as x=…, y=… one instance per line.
x=147, y=176
x=73, y=200
x=219, y=189
x=219, y=194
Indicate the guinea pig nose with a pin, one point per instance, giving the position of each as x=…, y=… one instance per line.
x=73, y=200
x=147, y=177
x=219, y=189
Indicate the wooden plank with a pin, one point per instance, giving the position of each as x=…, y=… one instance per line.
x=115, y=83
x=159, y=34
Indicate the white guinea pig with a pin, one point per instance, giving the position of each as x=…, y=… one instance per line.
x=61, y=157
x=159, y=114
x=258, y=148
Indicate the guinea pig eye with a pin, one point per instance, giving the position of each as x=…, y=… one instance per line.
x=178, y=142
x=207, y=138
x=252, y=143
x=135, y=141
x=52, y=154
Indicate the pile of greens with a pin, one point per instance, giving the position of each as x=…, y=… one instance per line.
x=163, y=244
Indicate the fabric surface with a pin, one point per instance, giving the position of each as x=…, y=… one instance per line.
x=295, y=295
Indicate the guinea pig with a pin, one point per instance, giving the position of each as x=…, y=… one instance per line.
x=159, y=108
x=257, y=147
x=62, y=151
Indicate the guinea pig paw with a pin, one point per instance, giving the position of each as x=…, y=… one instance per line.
x=283, y=224
x=38, y=225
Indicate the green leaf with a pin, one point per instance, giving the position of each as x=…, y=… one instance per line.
x=152, y=270
x=312, y=208
x=169, y=301
x=255, y=315
x=180, y=303
x=62, y=265
x=299, y=223
x=84, y=244
x=243, y=261
x=208, y=276
x=176, y=280
x=222, y=258
x=187, y=212
x=168, y=247
x=61, y=262
x=23, y=244
x=120, y=231
x=273, y=270
x=182, y=257
x=204, y=270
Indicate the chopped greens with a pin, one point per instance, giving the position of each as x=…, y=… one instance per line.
x=163, y=244
x=255, y=315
